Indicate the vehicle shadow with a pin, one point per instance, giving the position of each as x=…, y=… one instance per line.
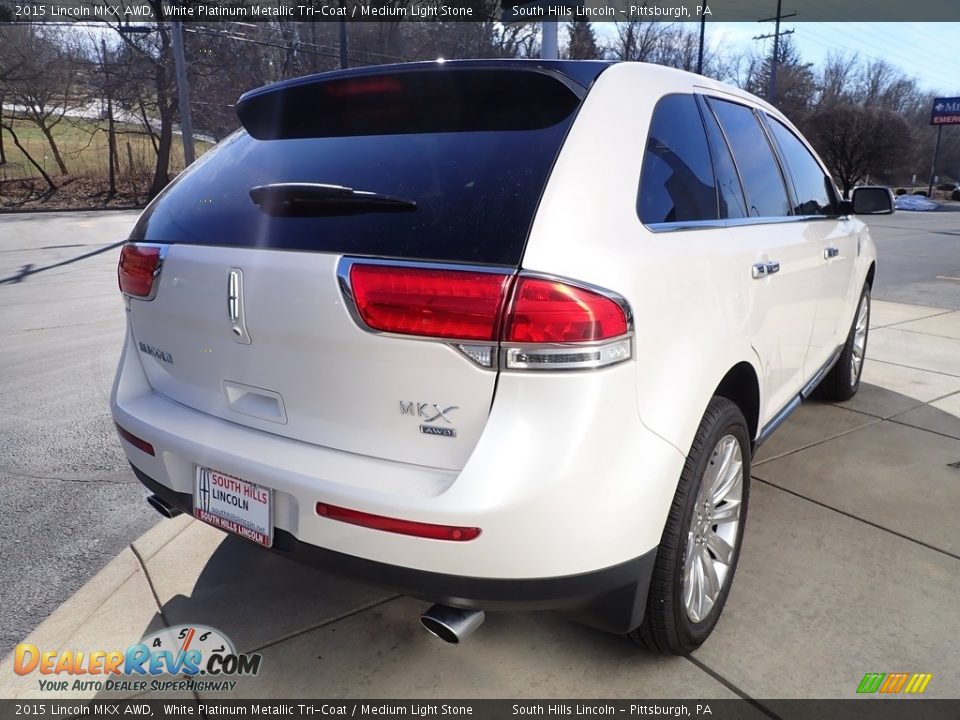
x=30, y=269
x=324, y=636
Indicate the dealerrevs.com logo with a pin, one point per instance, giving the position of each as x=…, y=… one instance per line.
x=203, y=658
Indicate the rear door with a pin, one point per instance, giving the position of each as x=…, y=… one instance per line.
x=780, y=268
x=254, y=320
x=835, y=238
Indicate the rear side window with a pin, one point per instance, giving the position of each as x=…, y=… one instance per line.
x=472, y=149
x=729, y=189
x=811, y=185
x=676, y=182
x=766, y=194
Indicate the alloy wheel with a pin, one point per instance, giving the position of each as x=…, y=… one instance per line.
x=712, y=537
x=859, y=340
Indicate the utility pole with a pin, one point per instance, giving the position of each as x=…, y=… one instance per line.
x=772, y=90
x=111, y=129
x=703, y=30
x=344, y=57
x=933, y=165
x=549, y=46
x=183, y=92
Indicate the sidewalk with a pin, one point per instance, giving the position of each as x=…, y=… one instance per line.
x=851, y=564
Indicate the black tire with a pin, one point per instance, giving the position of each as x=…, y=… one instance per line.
x=666, y=626
x=842, y=382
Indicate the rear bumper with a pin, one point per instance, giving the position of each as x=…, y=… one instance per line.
x=572, y=505
x=611, y=599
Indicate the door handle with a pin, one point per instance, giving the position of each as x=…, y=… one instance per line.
x=830, y=252
x=238, y=324
x=764, y=269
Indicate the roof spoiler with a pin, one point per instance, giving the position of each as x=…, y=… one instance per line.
x=419, y=98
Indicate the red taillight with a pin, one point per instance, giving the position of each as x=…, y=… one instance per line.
x=549, y=311
x=394, y=525
x=137, y=270
x=544, y=324
x=135, y=441
x=454, y=304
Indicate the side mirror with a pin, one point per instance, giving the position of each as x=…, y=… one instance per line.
x=872, y=201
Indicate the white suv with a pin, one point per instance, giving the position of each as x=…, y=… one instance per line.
x=497, y=334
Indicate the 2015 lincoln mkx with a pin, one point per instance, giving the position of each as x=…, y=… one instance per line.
x=497, y=334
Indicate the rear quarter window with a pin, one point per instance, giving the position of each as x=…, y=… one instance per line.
x=676, y=180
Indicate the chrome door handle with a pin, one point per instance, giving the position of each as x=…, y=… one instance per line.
x=830, y=252
x=238, y=325
x=233, y=296
x=764, y=269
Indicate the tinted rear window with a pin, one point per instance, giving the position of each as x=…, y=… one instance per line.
x=677, y=182
x=473, y=153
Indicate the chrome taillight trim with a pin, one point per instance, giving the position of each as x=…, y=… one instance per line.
x=566, y=356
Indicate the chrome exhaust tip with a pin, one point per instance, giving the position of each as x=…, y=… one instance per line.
x=162, y=507
x=450, y=624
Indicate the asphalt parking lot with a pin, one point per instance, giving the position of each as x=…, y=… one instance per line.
x=851, y=561
x=69, y=501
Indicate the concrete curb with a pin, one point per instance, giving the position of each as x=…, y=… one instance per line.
x=56, y=631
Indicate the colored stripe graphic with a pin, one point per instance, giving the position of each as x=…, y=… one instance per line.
x=871, y=682
x=918, y=683
x=892, y=683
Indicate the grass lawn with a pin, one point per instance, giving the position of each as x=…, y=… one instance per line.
x=83, y=146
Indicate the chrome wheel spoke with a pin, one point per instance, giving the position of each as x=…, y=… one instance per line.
x=719, y=547
x=711, y=476
x=730, y=486
x=728, y=512
x=711, y=581
x=693, y=586
x=731, y=469
x=688, y=579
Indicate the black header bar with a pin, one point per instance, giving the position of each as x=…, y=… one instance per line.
x=207, y=11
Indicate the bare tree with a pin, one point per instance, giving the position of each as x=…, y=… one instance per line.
x=636, y=39
x=855, y=141
x=835, y=78
x=45, y=85
x=144, y=69
x=7, y=124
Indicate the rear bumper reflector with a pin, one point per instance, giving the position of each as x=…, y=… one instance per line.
x=395, y=525
x=138, y=443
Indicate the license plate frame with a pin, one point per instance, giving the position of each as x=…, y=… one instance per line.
x=239, y=506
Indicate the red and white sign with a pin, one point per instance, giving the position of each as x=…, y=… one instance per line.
x=232, y=504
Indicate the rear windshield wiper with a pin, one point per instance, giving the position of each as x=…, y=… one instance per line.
x=320, y=199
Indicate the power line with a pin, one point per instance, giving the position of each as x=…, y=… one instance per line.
x=298, y=47
x=401, y=58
